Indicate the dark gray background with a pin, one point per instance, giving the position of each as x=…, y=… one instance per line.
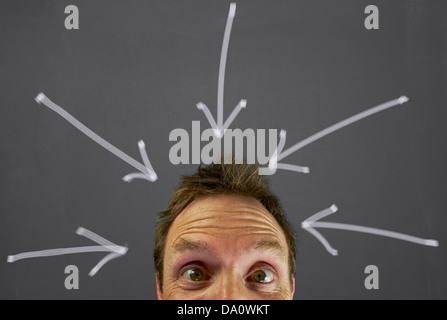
x=136, y=69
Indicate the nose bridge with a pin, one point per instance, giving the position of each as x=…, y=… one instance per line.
x=230, y=286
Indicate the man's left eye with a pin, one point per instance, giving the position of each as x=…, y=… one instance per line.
x=262, y=276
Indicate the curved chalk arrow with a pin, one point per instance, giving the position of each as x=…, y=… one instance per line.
x=147, y=172
x=313, y=222
x=114, y=251
x=279, y=155
x=220, y=127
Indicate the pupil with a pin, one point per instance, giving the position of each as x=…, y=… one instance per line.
x=196, y=275
x=259, y=276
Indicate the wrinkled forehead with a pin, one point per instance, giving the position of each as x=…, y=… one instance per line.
x=226, y=217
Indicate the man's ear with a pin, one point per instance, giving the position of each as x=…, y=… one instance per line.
x=293, y=286
x=159, y=293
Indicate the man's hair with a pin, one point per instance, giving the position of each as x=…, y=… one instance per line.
x=215, y=180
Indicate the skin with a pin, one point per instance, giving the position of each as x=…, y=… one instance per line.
x=226, y=247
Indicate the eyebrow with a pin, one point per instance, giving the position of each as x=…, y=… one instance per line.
x=183, y=245
x=270, y=245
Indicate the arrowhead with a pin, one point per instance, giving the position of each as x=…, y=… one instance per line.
x=219, y=131
x=104, y=261
x=307, y=225
x=320, y=215
x=147, y=174
x=274, y=165
x=115, y=250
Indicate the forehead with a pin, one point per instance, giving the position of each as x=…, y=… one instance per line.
x=226, y=219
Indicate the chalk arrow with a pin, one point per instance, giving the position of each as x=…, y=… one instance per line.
x=114, y=251
x=147, y=172
x=313, y=222
x=219, y=127
x=279, y=154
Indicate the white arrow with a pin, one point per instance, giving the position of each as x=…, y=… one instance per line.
x=279, y=155
x=313, y=222
x=220, y=127
x=114, y=251
x=147, y=172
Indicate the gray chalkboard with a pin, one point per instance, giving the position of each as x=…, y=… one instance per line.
x=135, y=70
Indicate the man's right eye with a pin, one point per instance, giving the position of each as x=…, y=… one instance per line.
x=195, y=274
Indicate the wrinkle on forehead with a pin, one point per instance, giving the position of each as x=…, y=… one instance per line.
x=225, y=217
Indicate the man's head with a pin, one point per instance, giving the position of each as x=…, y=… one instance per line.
x=224, y=236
